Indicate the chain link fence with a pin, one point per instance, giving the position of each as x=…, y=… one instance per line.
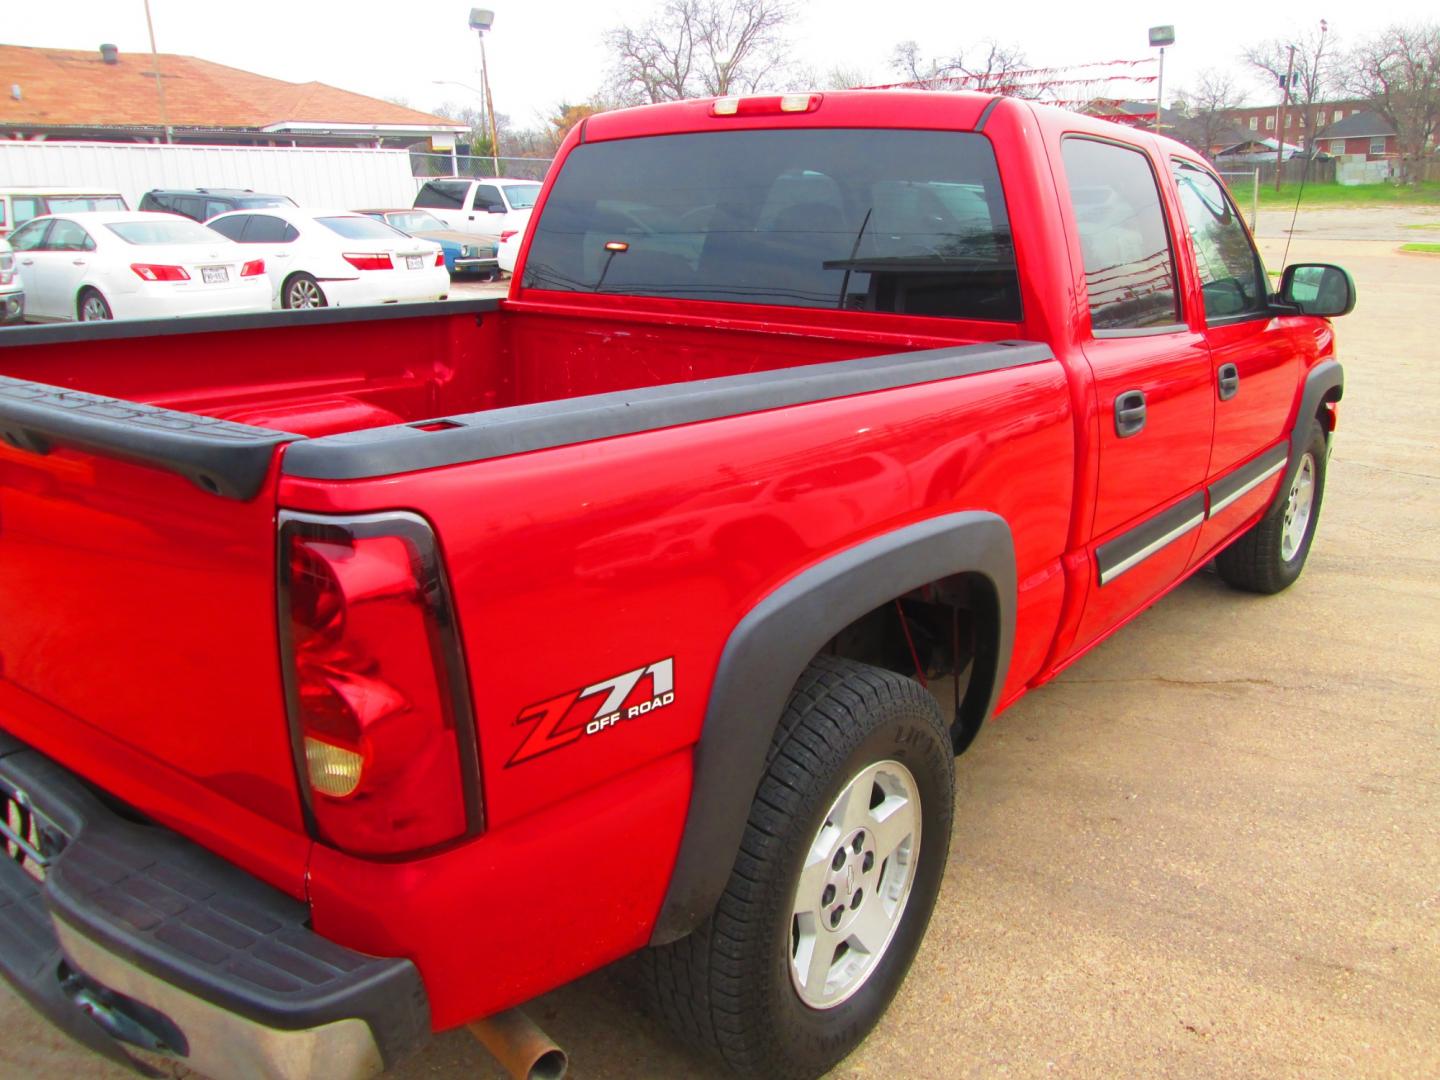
x=1244, y=184
x=425, y=164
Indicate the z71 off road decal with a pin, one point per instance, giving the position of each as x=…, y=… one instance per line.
x=577, y=713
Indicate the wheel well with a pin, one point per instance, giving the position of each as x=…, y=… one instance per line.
x=949, y=627
x=1326, y=412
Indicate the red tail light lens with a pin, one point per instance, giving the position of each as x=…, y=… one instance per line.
x=157, y=272
x=507, y=234
x=379, y=705
x=439, y=258
x=363, y=261
x=253, y=268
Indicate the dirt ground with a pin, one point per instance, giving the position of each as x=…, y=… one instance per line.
x=1210, y=848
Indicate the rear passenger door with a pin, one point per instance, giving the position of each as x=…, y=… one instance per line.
x=1256, y=352
x=1152, y=382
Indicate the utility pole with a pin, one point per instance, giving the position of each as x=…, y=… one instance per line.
x=159, y=79
x=1280, y=118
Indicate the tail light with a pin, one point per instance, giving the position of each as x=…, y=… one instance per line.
x=368, y=261
x=507, y=234
x=380, y=716
x=253, y=268
x=158, y=272
x=765, y=106
x=439, y=258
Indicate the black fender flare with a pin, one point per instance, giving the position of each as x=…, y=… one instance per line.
x=1326, y=380
x=767, y=652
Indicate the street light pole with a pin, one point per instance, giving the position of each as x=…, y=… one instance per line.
x=1161, y=36
x=1280, y=118
x=159, y=79
x=480, y=21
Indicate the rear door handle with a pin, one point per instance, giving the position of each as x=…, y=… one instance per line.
x=1227, y=381
x=1129, y=413
x=77, y=262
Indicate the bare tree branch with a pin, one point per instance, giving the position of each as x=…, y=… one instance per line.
x=1314, y=76
x=1207, y=107
x=699, y=48
x=988, y=66
x=1397, y=74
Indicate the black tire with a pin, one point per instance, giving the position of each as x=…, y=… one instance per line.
x=1258, y=562
x=299, y=286
x=91, y=306
x=727, y=988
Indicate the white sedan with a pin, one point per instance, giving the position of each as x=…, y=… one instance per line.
x=133, y=265
x=336, y=258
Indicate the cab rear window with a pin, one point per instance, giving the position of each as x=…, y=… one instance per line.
x=871, y=220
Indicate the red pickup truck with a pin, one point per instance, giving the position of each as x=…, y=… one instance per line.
x=365, y=673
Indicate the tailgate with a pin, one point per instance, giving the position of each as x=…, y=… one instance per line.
x=137, y=614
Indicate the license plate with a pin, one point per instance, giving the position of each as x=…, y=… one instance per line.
x=415, y=262
x=214, y=275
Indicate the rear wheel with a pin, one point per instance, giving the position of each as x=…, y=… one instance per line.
x=1271, y=554
x=90, y=306
x=302, y=291
x=834, y=883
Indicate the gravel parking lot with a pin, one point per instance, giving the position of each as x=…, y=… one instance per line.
x=1212, y=847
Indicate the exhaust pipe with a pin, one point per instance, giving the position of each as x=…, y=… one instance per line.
x=525, y=1052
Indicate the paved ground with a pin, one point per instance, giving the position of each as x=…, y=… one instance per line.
x=1212, y=847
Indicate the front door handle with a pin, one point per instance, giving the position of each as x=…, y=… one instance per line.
x=77, y=262
x=27, y=262
x=1130, y=413
x=1227, y=381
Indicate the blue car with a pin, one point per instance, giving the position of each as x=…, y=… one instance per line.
x=464, y=254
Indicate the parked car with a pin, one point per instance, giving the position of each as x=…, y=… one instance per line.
x=486, y=644
x=337, y=258
x=484, y=208
x=202, y=204
x=19, y=204
x=12, y=287
x=464, y=253
x=508, y=250
x=133, y=265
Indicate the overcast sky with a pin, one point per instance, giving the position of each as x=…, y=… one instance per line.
x=542, y=52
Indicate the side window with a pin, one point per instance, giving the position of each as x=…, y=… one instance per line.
x=212, y=208
x=29, y=237
x=487, y=198
x=1232, y=277
x=191, y=208
x=25, y=208
x=1129, y=264
x=443, y=195
x=230, y=226
x=68, y=236
x=264, y=229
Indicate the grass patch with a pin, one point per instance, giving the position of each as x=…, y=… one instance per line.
x=1424, y=249
x=1336, y=195
x=1427, y=225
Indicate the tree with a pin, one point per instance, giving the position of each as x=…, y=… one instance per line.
x=699, y=48
x=988, y=66
x=1398, y=76
x=1312, y=77
x=1207, y=107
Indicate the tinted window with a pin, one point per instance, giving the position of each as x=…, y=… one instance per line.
x=28, y=237
x=360, y=228
x=895, y=221
x=265, y=229
x=68, y=236
x=443, y=194
x=230, y=227
x=1232, y=277
x=415, y=221
x=487, y=197
x=25, y=208
x=213, y=207
x=191, y=208
x=76, y=204
x=255, y=202
x=174, y=231
x=522, y=196
x=1129, y=265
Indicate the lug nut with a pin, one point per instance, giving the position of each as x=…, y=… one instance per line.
x=839, y=860
x=828, y=896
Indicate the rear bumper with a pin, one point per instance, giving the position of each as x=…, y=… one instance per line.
x=126, y=933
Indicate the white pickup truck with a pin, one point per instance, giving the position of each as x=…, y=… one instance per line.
x=486, y=207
